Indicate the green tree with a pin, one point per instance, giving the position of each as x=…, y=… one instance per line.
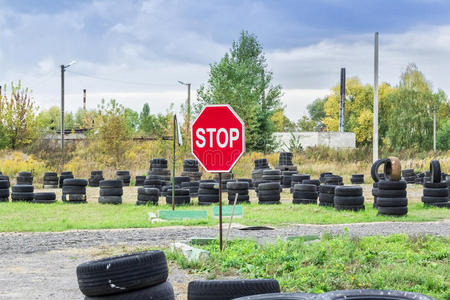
x=51, y=119
x=443, y=136
x=153, y=125
x=306, y=124
x=18, y=117
x=316, y=112
x=132, y=119
x=282, y=123
x=243, y=80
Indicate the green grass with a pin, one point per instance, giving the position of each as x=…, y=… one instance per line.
x=397, y=262
x=19, y=217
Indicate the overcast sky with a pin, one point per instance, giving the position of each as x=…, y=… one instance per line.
x=136, y=51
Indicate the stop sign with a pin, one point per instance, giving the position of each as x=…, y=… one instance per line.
x=218, y=138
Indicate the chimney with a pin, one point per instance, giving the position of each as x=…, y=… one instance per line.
x=84, y=99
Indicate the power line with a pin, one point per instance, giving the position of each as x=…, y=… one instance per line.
x=121, y=81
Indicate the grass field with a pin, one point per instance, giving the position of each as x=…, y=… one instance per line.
x=18, y=217
x=396, y=262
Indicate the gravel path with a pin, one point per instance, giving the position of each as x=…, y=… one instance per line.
x=42, y=265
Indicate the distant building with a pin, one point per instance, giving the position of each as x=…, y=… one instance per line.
x=311, y=139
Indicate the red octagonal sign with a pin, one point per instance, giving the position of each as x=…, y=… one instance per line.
x=218, y=138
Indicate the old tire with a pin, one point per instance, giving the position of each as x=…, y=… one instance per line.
x=374, y=169
x=435, y=170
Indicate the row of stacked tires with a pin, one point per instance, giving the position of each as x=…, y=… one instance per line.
x=436, y=190
x=144, y=275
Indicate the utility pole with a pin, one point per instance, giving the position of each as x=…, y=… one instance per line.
x=434, y=128
x=375, y=101
x=342, y=104
x=84, y=99
x=188, y=114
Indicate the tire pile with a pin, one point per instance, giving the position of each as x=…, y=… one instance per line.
x=272, y=176
x=305, y=194
x=286, y=180
x=326, y=195
x=74, y=190
x=22, y=192
x=4, y=190
x=182, y=197
x=96, y=177
x=154, y=181
x=357, y=179
x=257, y=173
x=249, y=181
x=241, y=189
x=50, y=180
x=316, y=182
x=231, y=289
x=158, y=166
x=191, y=170
x=64, y=176
x=297, y=179
x=111, y=191
x=285, y=162
x=376, y=177
x=44, y=198
x=207, y=193
x=419, y=178
x=140, y=180
x=24, y=178
x=409, y=176
x=147, y=195
x=269, y=193
x=141, y=275
x=348, y=197
x=124, y=176
x=226, y=177
x=323, y=175
x=435, y=192
x=333, y=179
x=192, y=186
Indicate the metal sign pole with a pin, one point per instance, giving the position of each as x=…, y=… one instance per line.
x=173, y=163
x=231, y=221
x=220, y=210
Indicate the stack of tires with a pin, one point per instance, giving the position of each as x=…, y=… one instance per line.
x=241, y=189
x=357, y=179
x=192, y=186
x=191, y=170
x=50, y=180
x=348, y=198
x=111, y=191
x=24, y=178
x=297, y=179
x=4, y=190
x=154, y=181
x=305, y=194
x=419, y=178
x=74, y=190
x=391, y=195
x=182, y=197
x=269, y=193
x=96, y=177
x=257, y=173
x=158, y=166
x=136, y=276
x=333, y=179
x=226, y=177
x=426, y=177
x=316, y=182
x=180, y=179
x=4, y=177
x=435, y=192
x=323, y=175
x=326, y=195
x=44, y=198
x=208, y=193
x=409, y=176
x=232, y=289
x=248, y=180
x=140, y=180
x=285, y=162
x=22, y=192
x=286, y=180
x=272, y=176
x=147, y=196
x=124, y=176
x=64, y=176
x=376, y=177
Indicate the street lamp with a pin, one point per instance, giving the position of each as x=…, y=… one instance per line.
x=63, y=69
x=188, y=117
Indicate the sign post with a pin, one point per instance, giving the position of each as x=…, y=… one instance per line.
x=218, y=142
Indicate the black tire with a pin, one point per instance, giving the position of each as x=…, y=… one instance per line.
x=25, y=174
x=264, y=198
x=240, y=198
x=44, y=196
x=163, y=291
x=349, y=200
x=208, y=198
x=207, y=185
x=393, y=211
x=240, y=192
x=435, y=185
x=75, y=182
x=268, y=192
x=371, y=294
x=179, y=200
x=143, y=197
x=74, y=198
x=305, y=187
x=303, y=201
x=111, y=183
x=269, y=186
x=374, y=169
x=178, y=192
x=439, y=192
x=435, y=170
x=428, y=200
x=325, y=197
x=349, y=207
x=348, y=190
x=148, y=191
x=110, y=199
x=22, y=197
x=440, y=204
x=392, y=185
x=139, y=202
x=4, y=193
x=327, y=204
x=111, y=192
x=22, y=189
x=131, y=272
x=74, y=189
x=305, y=195
x=316, y=182
x=237, y=185
x=391, y=193
x=327, y=188
x=230, y=289
x=44, y=201
x=4, y=184
x=391, y=202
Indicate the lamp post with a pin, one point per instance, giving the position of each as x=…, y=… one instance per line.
x=63, y=69
x=188, y=117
